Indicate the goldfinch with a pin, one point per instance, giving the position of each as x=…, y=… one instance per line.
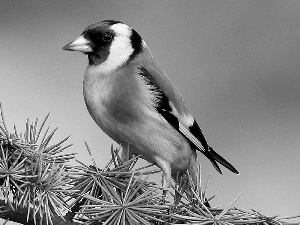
x=134, y=102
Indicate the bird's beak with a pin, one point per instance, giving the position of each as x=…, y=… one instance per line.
x=81, y=44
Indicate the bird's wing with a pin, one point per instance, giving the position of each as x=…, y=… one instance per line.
x=172, y=107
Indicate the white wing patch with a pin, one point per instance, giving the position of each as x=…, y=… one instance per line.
x=191, y=137
x=120, y=49
x=187, y=120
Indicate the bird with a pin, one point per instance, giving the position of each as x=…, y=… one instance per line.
x=135, y=103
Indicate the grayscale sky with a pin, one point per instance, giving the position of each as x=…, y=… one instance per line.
x=236, y=63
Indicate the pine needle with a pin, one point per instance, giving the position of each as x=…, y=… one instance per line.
x=38, y=176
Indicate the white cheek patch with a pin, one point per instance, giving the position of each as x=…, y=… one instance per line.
x=121, y=28
x=120, y=49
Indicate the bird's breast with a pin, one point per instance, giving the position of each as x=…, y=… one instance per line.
x=123, y=107
x=116, y=101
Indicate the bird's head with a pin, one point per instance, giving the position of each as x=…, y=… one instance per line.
x=111, y=42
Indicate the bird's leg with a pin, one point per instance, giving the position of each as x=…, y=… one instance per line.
x=166, y=182
x=165, y=186
x=166, y=176
x=125, y=152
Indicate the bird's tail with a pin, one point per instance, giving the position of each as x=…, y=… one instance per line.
x=215, y=157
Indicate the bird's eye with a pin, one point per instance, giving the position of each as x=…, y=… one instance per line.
x=106, y=37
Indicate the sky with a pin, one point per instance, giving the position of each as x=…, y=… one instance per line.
x=236, y=64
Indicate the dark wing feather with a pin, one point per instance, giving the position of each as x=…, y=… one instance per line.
x=197, y=132
x=194, y=134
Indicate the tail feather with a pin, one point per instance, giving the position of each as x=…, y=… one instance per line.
x=221, y=160
x=213, y=161
x=195, y=136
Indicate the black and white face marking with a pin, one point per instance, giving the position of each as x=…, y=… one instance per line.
x=113, y=47
x=109, y=44
x=119, y=50
x=100, y=39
